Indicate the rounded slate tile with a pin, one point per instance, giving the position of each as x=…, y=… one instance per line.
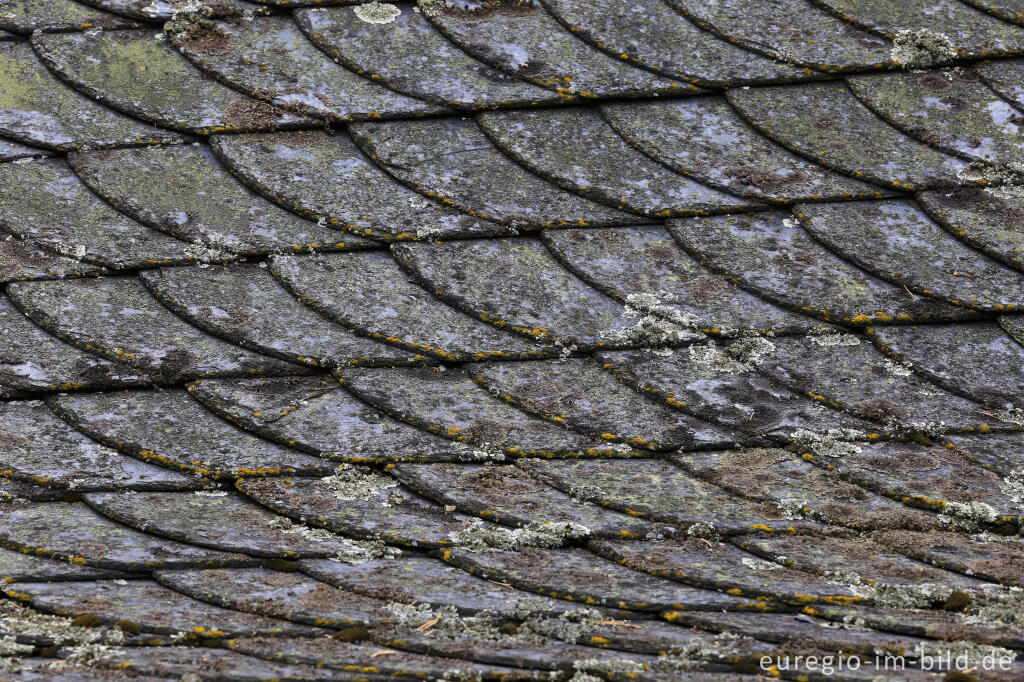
x=986, y=220
x=185, y=192
x=410, y=56
x=244, y=304
x=260, y=401
x=770, y=254
x=18, y=566
x=13, y=151
x=991, y=557
x=790, y=31
x=1014, y=326
x=606, y=169
x=704, y=138
x=21, y=261
x=527, y=42
x=452, y=160
x=37, y=108
x=269, y=58
x=188, y=437
x=999, y=452
x=324, y=176
x=162, y=10
x=26, y=16
x=827, y=123
x=173, y=662
x=128, y=325
x=371, y=294
x=11, y=489
x=1006, y=77
x=139, y=73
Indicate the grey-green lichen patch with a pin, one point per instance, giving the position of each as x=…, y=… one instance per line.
x=38, y=109
x=477, y=536
x=922, y=49
x=737, y=357
x=451, y=159
x=1001, y=180
x=26, y=16
x=140, y=74
x=189, y=437
x=605, y=169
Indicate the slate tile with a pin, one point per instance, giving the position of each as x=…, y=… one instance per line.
x=950, y=110
x=287, y=595
x=142, y=75
x=247, y=55
x=25, y=16
x=621, y=261
x=977, y=359
x=721, y=566
x=244, y=304
x=653, y=36
x=790, y=31
x=12, y=489
x=370, y=293
x=989, y=557
x=73, y=532
x=979, y=217
x=154, y=186
x=319, y=175
x=151, y=607
x=606, y=169
x=21, y=261
x=451, y=159
x=854, y=376
x=214, y=519
x=162, y=10
x=509, y=495
x=771, y=255
x=37, y=447
x=579, y=394
x=1008, y=10
x=45, y=203
x=826, y=122
x=331, y=424
x=776, y=476
x=170, y=428
x=887, y=237
x=37, y=108
x=12, y=151
x=1004, y=76
x=999, y=452
x=174, y=661
x=580, y=576
x=125, y=323
x=375, y=510
x=656, y=489
x=544, y=52
x=18, y=566
x=448, y=403
x=1013, y=325
x=408, y=55
x=539, y=299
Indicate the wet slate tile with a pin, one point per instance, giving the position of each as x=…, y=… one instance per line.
x=373, y=510
x=509, y=495
x=18, y=566
x=371, y=294
x=1004, y=76
x=447, y=402
x=244, y=304
x=45, y=202
x=21, y=260
x=620, y=261
x=37, y=447
x=887, y=238
x=721, y=566
x=826, y=122
x=142, y=75
x=856, y=377
x=606, y=169
x=988, y=557
x=540, y=299
x=978, y=360
x=580, y=576
x=544, y=52
x=173, y=662
x=215, y=519
x=125, y=323
x=658, y=490
x=73, y=532
x=247, y=55
x=999, y=452
x=452, y=160
x=151, y=607
x=25, y=16
x=790, y=31
x=13, y=151
x=287, y=595
x=950, y=110
x=172, y=429
x=654, y=36
x=155, y=185
x=777, y=476
x=33, y=360
x=579, y=394
x=979, y=217
x=38, y=109
x=331, y=424
x=409, y=55
x=319, y=175
x=770, y=254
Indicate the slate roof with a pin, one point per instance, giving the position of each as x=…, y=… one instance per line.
x=510, y=339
